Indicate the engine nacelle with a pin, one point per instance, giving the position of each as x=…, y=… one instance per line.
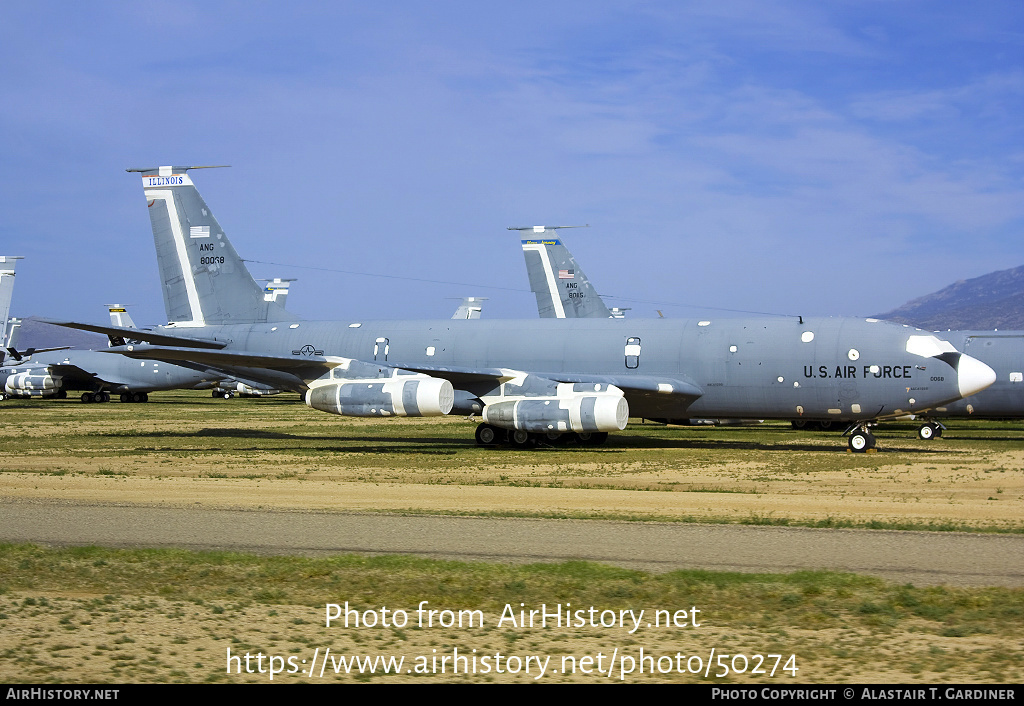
x=244, y=390
x=400, y=396
x=33, y=384
x=579, y=413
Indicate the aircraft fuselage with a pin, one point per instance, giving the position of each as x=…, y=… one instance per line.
x=852, y=369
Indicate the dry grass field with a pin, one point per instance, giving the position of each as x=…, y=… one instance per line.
x=184, y=448
x=103, y=615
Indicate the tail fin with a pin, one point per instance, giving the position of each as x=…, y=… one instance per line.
x=204, y=280
x=119, y=316
x=470, y=308
x=7, y=263
x=562, y=290
x=13, y=331
x=276, y=290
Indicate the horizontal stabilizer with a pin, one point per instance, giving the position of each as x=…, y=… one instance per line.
x=22, y=355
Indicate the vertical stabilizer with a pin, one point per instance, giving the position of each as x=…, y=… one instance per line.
x=204, y=280
x=470, y=308
x=119, y=316
x=7, y=263
x=276, y=290
x=13, y=329
x=562, y=290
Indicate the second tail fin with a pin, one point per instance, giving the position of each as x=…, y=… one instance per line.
x=562, y=290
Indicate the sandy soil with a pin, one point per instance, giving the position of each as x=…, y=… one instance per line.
x=77, y=638
x=986, y=493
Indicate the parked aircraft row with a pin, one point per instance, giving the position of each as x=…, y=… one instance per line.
x=53, y=372
x=528, y=379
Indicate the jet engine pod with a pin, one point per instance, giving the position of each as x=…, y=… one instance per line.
x=23, y=383
x=407, y=396
x=585, y=413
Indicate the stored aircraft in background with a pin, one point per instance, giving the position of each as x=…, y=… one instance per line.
x=530, y=379
x=470, y=308
x=223, y=388
x=53, y=372
x=7, y=263
x=548, y=261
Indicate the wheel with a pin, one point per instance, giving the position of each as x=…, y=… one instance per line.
x=926, y=432
x=520, y=438
x=486, y=435
x=137, y=397
x=87, y=397
x=126, y=397
x=552, y=438
x=799, y=423
x=938, y=430
x=825, y=424
x=227, y=395
x=145, y=397
x=215, y=393
x=861, y=441
x=103, y=397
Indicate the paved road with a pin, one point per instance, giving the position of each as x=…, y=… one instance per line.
x=920, y=558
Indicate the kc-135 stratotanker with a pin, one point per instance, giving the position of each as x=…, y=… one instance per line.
x=534, y=379
x=564, y=291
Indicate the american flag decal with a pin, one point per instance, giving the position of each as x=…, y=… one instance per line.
x=566, y=274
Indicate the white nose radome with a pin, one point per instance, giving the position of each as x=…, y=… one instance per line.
x=973, y=376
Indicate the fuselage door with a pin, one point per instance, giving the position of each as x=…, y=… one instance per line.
x=632, y=352
x=380, y=349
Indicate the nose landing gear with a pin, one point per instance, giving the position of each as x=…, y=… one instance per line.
x=861, y=439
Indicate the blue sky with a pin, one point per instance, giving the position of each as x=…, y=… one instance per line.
x=787, y=157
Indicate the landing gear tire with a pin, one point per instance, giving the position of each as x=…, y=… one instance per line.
x=227, y=395
x=126, y=397
x=799, y=423
x=521, y=439
x=861, y=441
x=140, y=397
x=486, y=435
x=927, y=432
x=87, y=397
x=552, y=438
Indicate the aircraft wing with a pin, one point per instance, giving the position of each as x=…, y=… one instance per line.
x=290, y=372
x=159, y=339
x=654, y=394
x=68, y=370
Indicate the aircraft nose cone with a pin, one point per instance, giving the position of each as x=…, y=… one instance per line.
x=973, y=376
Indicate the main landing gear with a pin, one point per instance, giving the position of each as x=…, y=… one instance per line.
x=929, y=431
x=88, y=397
x=135, y=397
x=489, y=435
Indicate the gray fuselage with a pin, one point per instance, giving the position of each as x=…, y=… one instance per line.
x=773, y=368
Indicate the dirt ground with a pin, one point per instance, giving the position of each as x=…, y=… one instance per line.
x=195, y=452
x=271, y=454
x=94, y=639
